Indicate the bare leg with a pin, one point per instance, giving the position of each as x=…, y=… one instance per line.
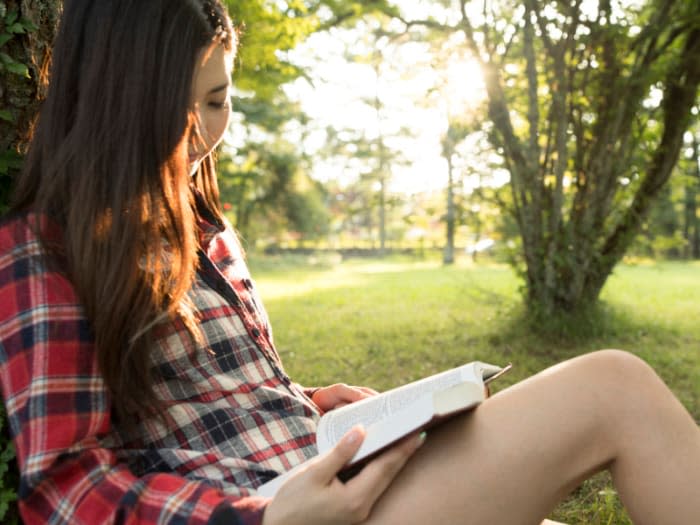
x=521, y=452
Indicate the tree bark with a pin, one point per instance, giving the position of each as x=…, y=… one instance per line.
x=448, y=256
x=20, y=95
x=691, y=229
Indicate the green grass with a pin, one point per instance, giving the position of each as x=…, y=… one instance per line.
x=382, y=323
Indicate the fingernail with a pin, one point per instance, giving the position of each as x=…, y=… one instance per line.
x=421, y=439
x=354, y=435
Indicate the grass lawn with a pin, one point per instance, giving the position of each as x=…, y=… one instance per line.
x=382, y=323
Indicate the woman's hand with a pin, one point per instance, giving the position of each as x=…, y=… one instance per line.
x=340, y=394
x=315, y=496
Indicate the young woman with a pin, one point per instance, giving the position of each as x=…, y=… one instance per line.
x=137, y=364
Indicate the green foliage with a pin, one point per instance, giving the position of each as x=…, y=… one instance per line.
x=672, y=231
x=306, y=208
x=267, y=192
x=9, y=478
x=257, y=185
x=268, y=30
x=344, y=12
x=9, y=160
x=12, y=24
x=593, y=503
x=254, y=188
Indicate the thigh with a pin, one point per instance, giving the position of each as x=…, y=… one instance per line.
x=509, y=461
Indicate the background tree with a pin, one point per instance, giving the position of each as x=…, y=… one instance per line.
x=691, y=192
x=364, y=162
x=455, y=133
x=374, y=143
x=267, y=190
x=589, y=104
x=264, y=113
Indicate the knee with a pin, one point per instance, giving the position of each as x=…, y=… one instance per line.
x=618, y=360
x=623, y=368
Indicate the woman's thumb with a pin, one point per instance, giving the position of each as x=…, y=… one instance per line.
x=335, y=459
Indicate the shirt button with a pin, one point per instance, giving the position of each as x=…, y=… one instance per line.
x=256, y=333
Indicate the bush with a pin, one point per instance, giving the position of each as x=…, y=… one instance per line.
x=9, y=475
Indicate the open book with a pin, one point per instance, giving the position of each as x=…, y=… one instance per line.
x=396, y=413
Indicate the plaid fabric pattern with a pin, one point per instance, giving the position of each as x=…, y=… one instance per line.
x=235, y=419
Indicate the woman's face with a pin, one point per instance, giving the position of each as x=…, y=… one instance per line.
x=211, y=102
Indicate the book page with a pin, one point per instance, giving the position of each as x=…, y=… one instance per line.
x=336, y=423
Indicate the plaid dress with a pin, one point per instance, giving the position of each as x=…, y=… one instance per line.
x=238, y=418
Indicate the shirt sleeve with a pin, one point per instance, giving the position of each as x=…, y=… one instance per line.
x=59, y=414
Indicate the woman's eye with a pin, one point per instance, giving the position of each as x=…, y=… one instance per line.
x=225, y=103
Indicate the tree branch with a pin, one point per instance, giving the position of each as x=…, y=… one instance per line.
x=682, y=83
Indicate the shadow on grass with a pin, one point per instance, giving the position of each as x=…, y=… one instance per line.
x=603, y=324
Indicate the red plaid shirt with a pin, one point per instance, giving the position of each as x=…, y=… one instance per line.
x=240, y=421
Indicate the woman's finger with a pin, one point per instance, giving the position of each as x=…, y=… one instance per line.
x=328, y=398
x=367, y=390
x=353, y=393
x=327, y=466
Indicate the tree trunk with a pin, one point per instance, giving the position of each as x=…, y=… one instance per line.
x=22, y=84
x=691, y=230
x=381, y=150
x=449, y=252
x=382, y=213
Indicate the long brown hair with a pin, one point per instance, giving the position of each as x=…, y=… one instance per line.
x=108, y=163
